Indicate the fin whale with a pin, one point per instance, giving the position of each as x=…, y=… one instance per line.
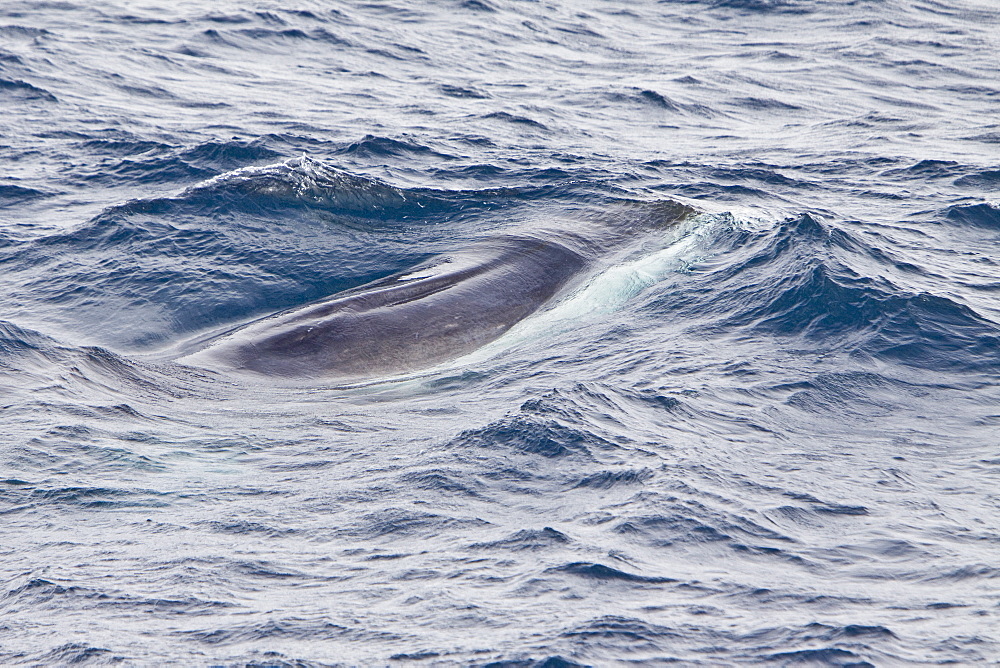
x=428, y=314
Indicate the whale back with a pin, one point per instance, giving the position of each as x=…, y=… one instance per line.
x=430, y=313
x=436, y=311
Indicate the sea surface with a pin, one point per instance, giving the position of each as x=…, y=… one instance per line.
x=768, y=435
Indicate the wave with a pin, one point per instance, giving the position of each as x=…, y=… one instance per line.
x=799, y=282
x=13, y=194
x=531, y=436
x=31, y=359
x=984, y=215
x=127, y=159
x=382, y=147
x=24, y=91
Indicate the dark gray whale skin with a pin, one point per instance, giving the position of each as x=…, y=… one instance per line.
x=431, y=313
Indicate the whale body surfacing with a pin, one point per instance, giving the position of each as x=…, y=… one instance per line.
x=437, y=311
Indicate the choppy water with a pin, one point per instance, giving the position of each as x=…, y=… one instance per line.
x=769, y=436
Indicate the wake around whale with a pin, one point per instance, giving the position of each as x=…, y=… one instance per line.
x=434, y=312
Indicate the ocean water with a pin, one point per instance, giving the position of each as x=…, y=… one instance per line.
x=769, y=435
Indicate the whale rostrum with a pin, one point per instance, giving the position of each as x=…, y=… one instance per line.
x=436, y=311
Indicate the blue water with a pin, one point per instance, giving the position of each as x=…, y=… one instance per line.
x=769, y=435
